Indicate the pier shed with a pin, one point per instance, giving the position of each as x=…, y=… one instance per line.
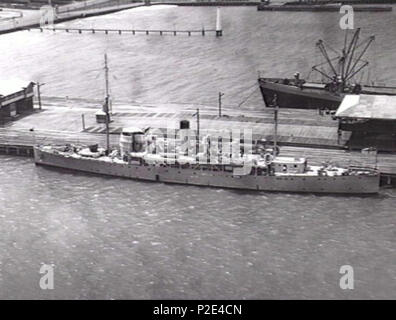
x=371, y=120
x=16, y=98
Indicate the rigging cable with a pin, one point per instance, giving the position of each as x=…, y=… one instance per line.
x=255, y=87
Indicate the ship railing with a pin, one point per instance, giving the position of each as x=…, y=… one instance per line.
x=204, y=166
x=363, y=168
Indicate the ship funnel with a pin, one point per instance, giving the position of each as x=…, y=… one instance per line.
x=184, y=124
x=184, y=136
x=131, y=140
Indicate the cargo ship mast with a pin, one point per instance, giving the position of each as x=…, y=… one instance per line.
x=347, y=61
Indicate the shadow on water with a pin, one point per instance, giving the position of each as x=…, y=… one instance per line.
x=305, y=194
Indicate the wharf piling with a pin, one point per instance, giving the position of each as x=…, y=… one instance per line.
x=218, y=32
x=16, y=149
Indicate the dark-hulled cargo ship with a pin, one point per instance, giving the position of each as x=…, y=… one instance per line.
x=338, y=73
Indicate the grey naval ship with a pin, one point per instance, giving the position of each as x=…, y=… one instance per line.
x=193, y=159
x=262, y=169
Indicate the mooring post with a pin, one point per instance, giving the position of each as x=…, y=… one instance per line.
x=83, y=121
x=203, y=31
x=219, y=31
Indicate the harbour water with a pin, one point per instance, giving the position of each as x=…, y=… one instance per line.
x=115, y=238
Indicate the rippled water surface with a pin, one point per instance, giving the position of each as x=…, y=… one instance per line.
x=115, y=238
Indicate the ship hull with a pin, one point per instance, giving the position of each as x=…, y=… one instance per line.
x=309, y=95
x=289, y=96
x=311, y=184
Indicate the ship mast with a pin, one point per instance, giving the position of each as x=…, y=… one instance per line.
x=106, y=105
x=276, y=109
x=350, y=52
x=197, y=133
x=351, y=72
x=347, y=60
